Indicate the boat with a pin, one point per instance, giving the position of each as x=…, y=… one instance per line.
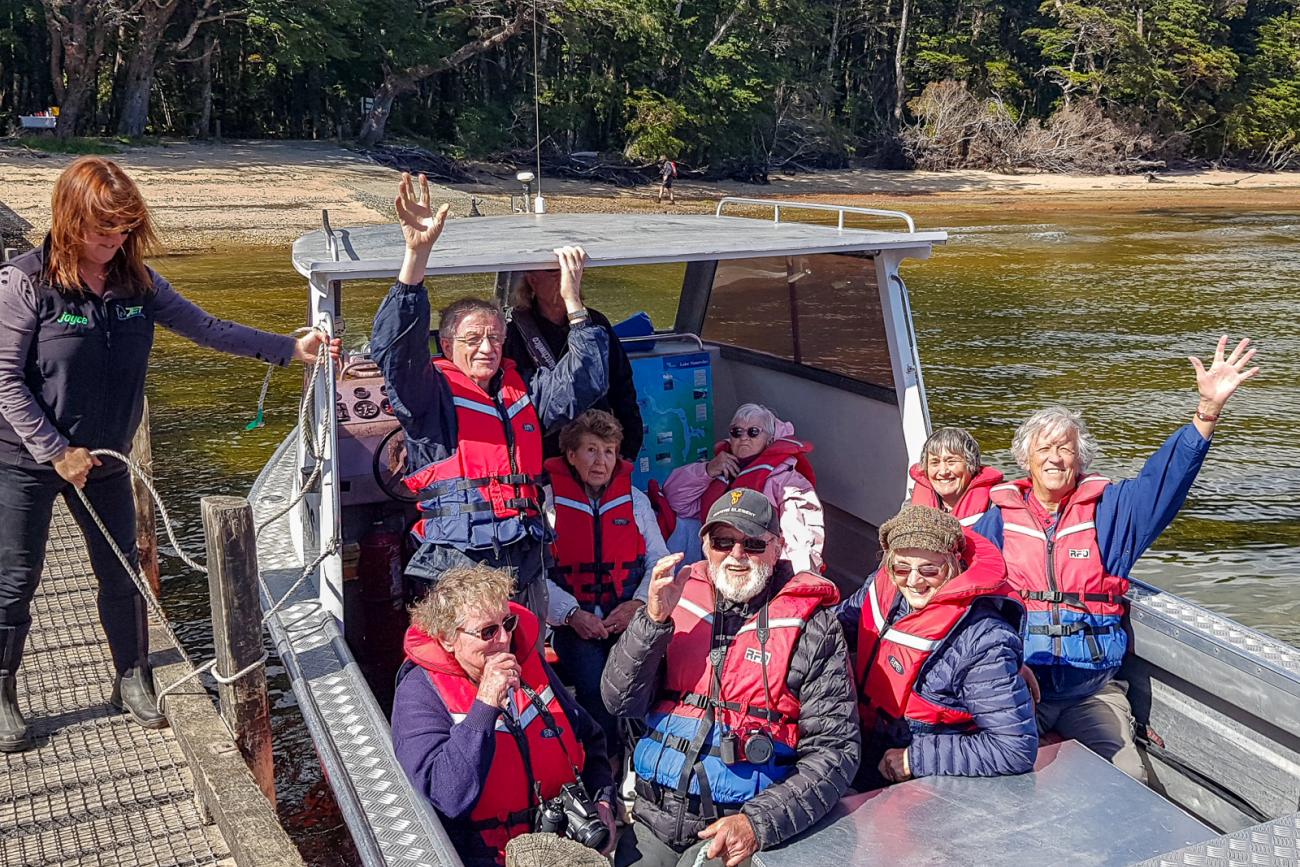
x=813, y=318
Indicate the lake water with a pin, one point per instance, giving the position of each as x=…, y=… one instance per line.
x=1093, y=309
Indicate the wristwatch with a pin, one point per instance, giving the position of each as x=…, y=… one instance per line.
x=569, y=615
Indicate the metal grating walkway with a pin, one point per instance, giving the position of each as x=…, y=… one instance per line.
x=97, y=789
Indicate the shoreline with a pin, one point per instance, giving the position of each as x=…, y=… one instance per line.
x=207, y=196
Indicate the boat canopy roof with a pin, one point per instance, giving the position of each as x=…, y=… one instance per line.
x=523, y=242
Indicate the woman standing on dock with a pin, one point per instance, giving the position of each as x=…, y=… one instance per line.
x=76, y=328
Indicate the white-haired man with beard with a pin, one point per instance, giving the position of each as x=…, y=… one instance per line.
x=740, y=671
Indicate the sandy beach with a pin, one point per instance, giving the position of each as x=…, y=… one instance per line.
x=209, y=196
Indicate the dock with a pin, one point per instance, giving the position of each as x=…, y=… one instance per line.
x=100, y=789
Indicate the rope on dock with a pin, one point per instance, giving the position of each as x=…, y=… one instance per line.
x=313, y=438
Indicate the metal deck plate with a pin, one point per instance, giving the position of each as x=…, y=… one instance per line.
x=1272, y=844
x=1074, y=809
x=525, y=241
x=98, y=789
x=389, y=821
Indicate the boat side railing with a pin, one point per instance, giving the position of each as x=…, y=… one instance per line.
x=778, y=204
x=331, y=240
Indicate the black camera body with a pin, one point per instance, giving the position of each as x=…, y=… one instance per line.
x=751, y=744
x=574, y=814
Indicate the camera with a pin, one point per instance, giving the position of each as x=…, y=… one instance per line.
x=750, y=744
x=571, y=812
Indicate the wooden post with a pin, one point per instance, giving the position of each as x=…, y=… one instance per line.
x=146, y=527
x=237, y=631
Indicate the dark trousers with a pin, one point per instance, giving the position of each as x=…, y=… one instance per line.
x=581, y=662
x=26, y=507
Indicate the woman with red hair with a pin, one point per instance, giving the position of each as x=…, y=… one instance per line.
x=77, y=320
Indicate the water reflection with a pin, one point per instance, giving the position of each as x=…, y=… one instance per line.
x=1097, y=311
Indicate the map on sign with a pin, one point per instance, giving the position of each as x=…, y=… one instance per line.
x=675, y=393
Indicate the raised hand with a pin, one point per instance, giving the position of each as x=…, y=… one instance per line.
x=572, y=261
x=1225, y=375
x=420, y=225
x=665, y=588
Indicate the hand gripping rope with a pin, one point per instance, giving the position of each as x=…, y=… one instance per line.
x=314, y=441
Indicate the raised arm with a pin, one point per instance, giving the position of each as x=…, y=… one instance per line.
x=400, y=335
x=1134, y=512
x=581, y=376
x=631, y=679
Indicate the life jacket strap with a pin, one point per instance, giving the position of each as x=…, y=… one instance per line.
x=1076, y=600
x=459, y=485
x=704, y=702
x=519, y=817
x=451, y=510
x=1061, y=630
x=680, y=745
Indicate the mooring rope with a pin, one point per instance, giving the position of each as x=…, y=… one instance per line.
x=313, y=438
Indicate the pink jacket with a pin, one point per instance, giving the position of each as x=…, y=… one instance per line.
x=803, y=523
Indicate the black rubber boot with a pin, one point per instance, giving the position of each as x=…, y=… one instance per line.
x=14, y=737
x=133, y=693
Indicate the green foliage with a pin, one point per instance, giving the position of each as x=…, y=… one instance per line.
x=717, y=83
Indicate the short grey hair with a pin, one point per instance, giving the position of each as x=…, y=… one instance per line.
x=457, y=311
x=955, y=440
x=1050, y=422
x=758, y=413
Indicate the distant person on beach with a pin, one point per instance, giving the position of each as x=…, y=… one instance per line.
x=77, y=321
x=473, y=426
x=537, y=337
x=667, y=174
x=1070, y=539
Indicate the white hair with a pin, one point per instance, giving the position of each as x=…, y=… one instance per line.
x=1051, y=422
x=740, y=588
x=757, y=412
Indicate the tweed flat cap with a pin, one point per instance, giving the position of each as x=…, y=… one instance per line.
x=921, y=527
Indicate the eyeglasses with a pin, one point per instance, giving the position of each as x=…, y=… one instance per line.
x=725, y=544
x=489, y=632
x=751, y=432
x=902, y=570
x=475, y=338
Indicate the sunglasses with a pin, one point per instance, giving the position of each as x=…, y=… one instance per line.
x=725, y=544
x=489, y=632
x=902, y=570
x=751, y=432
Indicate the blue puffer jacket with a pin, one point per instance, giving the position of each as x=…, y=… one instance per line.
x=978, y=669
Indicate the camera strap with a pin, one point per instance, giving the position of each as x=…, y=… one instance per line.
x=536, y=701
x=521, y=741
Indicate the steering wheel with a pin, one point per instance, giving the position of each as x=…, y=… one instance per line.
x=387, y=463
x=359, y=368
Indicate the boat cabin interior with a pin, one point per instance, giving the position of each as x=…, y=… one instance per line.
x=814, y=322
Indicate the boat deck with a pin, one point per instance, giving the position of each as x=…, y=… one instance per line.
x=97, y=788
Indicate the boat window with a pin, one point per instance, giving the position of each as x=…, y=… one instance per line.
x=821, y=310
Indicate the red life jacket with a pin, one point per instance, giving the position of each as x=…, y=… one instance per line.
x=505, y=806
x=974, y=501
x=785, y=451
x=741, y=703
x=482, y=493
x=600, y=559
x=1074, y=606
x=891, y=656
x=664, y=514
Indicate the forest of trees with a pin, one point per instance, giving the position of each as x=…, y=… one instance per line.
x=759, y=84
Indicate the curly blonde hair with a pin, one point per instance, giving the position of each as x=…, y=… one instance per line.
x=461, y=591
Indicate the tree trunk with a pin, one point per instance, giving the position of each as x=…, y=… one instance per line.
x=397, y=83
x=900, y=83
x=202, y=127
x=139, y=71
x=78, y=32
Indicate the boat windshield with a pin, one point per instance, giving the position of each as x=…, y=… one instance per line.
x=821, y=311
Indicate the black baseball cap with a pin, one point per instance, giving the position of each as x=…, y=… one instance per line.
x=747, y=510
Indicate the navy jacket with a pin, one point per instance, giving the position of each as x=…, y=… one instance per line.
x=1131, y=515
x=422, y=400
x=978, y=669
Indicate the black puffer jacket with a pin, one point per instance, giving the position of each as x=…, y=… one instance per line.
x=829, y=740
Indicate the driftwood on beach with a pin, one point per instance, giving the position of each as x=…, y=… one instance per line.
x=418, y=161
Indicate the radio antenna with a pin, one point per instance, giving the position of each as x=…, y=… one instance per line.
x=537, y=102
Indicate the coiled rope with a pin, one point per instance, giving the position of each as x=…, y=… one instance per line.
x=313, y=438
